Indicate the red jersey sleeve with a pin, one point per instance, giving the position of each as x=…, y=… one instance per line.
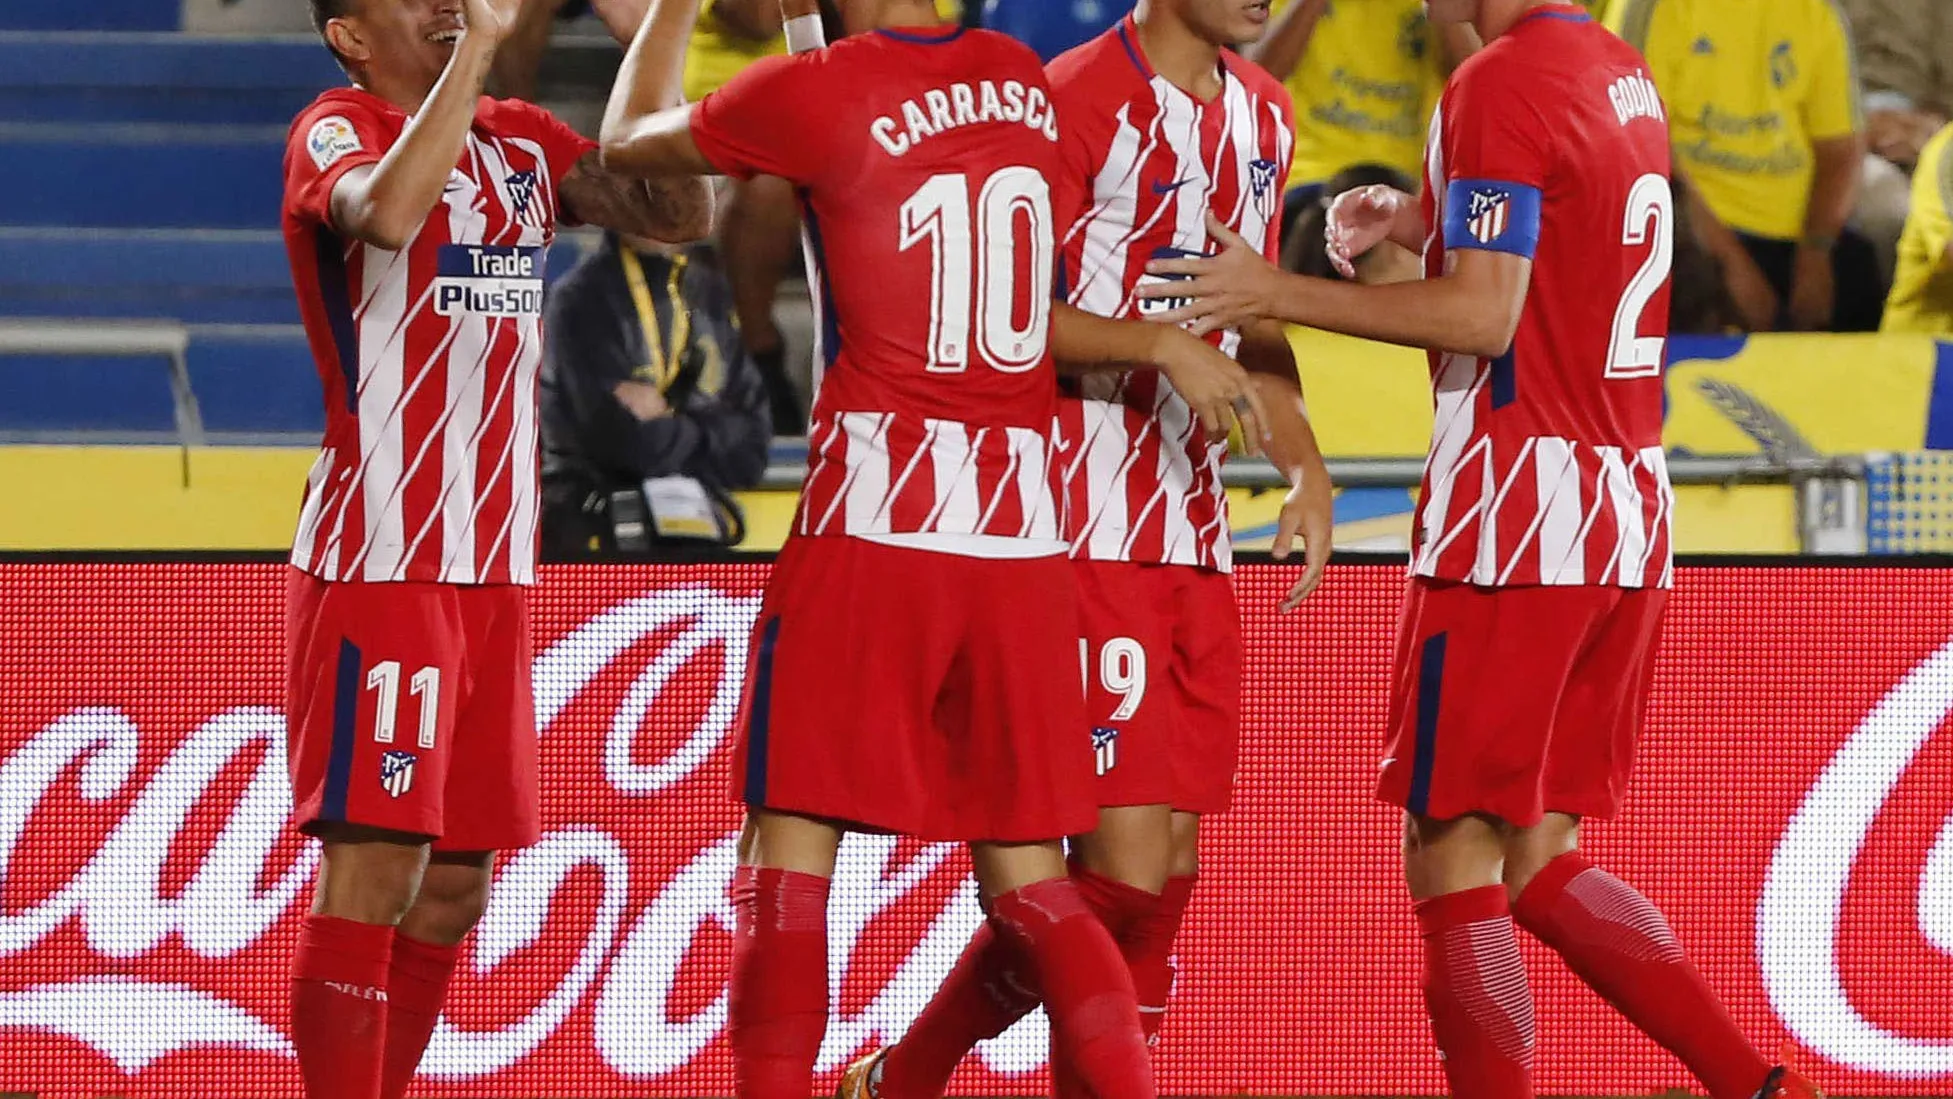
x=1084, y=136
x=330, y=138
x=1284, y=103
x=1497, y=157
x=767, y=120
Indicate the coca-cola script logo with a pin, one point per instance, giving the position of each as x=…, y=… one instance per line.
x=150, y=896
x=625, y=960
x=1799, y=915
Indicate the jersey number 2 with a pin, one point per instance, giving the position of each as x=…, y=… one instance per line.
x=973, y=267
x=1650, y=214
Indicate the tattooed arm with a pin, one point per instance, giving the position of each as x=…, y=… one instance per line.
x=673, y=209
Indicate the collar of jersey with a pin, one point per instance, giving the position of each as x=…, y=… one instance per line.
x=1572, y=13
x=925, y=36
x=1129, y=37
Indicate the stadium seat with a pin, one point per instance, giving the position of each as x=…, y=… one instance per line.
x=53, y=394
x=177, y=78
x=92, y=15
x=195, y=276
x=142, y=176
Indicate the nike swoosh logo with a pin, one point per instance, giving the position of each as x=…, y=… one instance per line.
x=1160, y=188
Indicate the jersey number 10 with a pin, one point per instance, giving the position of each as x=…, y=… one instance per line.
x=974, y=264
x=1650, y=215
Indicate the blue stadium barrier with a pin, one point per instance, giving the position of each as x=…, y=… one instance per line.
x=197, y=278
x=142, y=176
x=75, y=77
x=50, y=393
x=98, y=15
x=262, y=381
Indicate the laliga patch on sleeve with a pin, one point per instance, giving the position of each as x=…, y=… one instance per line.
x=330, y=140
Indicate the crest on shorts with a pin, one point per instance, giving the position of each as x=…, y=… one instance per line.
x=1488, y=215
x=1105, y=746
x=397, y=772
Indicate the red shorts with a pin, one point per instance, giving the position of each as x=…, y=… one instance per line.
x=923, y=693
x=409, y=708
x=1162, y=656
x=1518, y=702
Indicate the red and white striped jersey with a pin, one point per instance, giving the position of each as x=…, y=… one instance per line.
x=1546, y=463
x=1144, y=162
x=429, y=355
x=924, y=160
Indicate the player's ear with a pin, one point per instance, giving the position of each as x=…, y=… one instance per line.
x=344, y=36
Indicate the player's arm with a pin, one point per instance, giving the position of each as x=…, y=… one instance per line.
x=759, y=20
x=647, y=132
x=386, y=203
x=1472, y=309
x=1285, y=44
x=673, y=209
x=1214, y=385
x=1309, y=509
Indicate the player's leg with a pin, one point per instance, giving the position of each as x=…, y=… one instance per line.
x=1479, y=674
x=778, y=988
x=1037, y=911
x=373, y=804
x=758, y=238
x=1611, y=935
x=492, y=803
x=367, y=880
x=1124, y=650
x=452, y=897
x=821, y=743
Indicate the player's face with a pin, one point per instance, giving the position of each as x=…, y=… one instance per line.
x=1226, y=22
x=402, y=36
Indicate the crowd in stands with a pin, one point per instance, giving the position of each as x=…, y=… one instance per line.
x=1813, y=186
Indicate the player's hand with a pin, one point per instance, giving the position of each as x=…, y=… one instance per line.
x=1215, y=386
x=493, y=19
x=1359, y=220
x=1813, y=291
x=1309, y=510
x=1228, y=290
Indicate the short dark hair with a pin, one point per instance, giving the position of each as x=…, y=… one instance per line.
x=325, y=11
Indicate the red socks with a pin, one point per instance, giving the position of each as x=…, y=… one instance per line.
x=417, y=986
x=1476, y=991
x=1617, y=942
x=779, y=982
x=339, y=1006
x=1086, y=986
x=989, y=989
x=1148, y=947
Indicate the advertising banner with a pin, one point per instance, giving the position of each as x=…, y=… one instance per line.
x=1792, y=812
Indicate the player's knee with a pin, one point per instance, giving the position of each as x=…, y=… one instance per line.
x=1528, y=850
x=1186, y=845
x=366, y=878
x=451, y=901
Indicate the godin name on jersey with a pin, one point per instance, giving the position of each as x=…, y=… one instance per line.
x=489, y=280
x=943, y=109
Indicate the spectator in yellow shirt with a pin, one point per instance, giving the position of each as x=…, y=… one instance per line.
x=1763, y=101
x=1922, y=289
x=1366, y=75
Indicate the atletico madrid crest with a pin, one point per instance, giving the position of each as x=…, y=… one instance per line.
x=397, y=772
x=1488, y=215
